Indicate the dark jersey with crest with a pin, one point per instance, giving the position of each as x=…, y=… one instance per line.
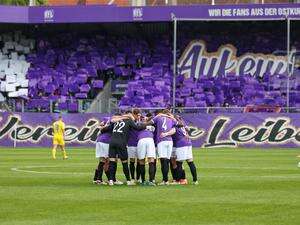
x=120, y=131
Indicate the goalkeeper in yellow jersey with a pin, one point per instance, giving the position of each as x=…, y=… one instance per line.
x=58, y=137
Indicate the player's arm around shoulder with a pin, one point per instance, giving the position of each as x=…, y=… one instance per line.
x=168, y=133
x=137, y=126
x=107, y=128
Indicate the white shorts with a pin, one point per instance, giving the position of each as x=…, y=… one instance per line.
x=132, y=152
x=146, y=148
x=164, y=149
x=184, y=153
x=102, y=150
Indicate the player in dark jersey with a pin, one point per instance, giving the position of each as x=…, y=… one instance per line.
x=118, y=146
x=132, y=148
x=102, y=146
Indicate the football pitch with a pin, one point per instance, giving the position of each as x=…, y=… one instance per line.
x=240, y=187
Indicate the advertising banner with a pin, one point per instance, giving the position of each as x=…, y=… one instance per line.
x=196, y=61
x=112, y=13
x=232, y=130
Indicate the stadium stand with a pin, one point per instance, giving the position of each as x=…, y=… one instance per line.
x=231, y=90
x=13, y=65
x=68, y=67
x=63, y=73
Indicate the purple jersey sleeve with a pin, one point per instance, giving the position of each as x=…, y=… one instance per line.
x=181, y=138
x=133, y=138
x=105, y=137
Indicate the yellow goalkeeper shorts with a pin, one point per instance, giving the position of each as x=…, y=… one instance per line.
x=58, y=140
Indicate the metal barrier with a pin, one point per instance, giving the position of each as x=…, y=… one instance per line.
x=20, y=105
x=209, y=109
x=35, y=105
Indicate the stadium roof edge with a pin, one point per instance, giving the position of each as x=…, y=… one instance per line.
x=106, y=13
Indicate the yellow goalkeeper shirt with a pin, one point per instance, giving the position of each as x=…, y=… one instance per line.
x=58, y=129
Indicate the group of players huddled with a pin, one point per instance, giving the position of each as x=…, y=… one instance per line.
x=142, y=139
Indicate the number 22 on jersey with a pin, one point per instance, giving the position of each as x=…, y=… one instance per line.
x=118, y=127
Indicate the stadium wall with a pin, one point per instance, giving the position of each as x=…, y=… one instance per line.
x=110, y=13
x=232, y=130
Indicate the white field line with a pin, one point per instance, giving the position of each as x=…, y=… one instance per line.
x=248, y=168
x=27, y=169
x=286, y=167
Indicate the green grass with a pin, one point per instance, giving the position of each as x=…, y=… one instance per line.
x=253, y=187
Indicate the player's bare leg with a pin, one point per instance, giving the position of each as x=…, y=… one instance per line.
x=151, y=162
x=155, y=167
x=132, y=168
x=193, y=170
x=96, y=174
x=99, y=170
x=112, y=168
x=54, y=151
x=181, y=173
x=63, y=150
x=174, y=170
x=142, y=170
x=164, y=170
x=126, y=172
x=105, y=168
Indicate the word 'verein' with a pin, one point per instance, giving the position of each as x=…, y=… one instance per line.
x=274, y=131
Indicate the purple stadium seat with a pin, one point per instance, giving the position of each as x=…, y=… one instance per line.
x=73, y=107
x=81, y=95
x=85, y=88
x=62, y=106
x=97, y=84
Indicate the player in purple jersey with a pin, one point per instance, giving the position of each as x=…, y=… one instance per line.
x=146, y=149
x=132, y=147
x=183, y=149
x=164, y=123
x=102, y=144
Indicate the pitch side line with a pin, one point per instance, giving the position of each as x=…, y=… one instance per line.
x=247, y=177
x=43, y=172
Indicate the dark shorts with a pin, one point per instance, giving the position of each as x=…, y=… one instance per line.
x=117, y=151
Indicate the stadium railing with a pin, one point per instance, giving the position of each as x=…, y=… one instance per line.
x=22, y=105
x=219, y=109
